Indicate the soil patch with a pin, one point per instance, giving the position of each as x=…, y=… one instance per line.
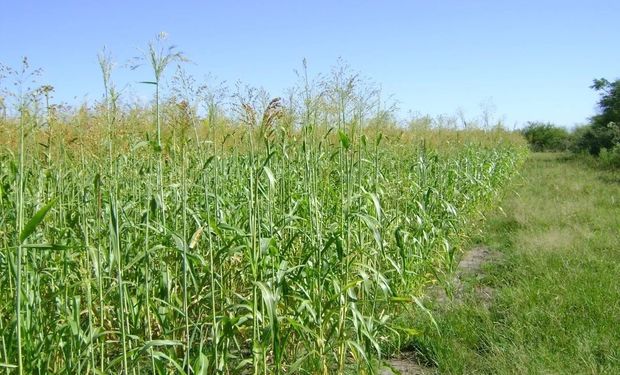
x=406, y=364
x=470, y=267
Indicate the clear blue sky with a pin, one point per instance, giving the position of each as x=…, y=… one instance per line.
x=533, y=59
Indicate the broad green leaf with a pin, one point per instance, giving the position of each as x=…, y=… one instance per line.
x=35, y=221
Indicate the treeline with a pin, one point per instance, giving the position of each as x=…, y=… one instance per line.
x=600, y=138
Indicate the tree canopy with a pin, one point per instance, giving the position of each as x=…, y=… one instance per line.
x=609, y=103
x=604, y=131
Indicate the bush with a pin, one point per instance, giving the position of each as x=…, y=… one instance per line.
x=594, y=138
x=610, y=158
x=546, y=137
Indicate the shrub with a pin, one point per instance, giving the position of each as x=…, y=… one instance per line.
x=594, y=138
x=610, y=157
x=546, y=137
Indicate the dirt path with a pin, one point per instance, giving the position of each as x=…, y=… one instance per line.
x=470, y=267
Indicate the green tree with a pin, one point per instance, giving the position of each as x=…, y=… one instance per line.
x=604, y=130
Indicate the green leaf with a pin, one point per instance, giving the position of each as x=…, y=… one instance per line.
x=374, y=226
x=344, y=139
x=152, y=343
x=270, y=176
x=35, y=221
x=409, y=331
x=379, y=138
x=377, y=203
x=160, y=355
x=208, y=161
x=139, y=145
x=201, y=365
x=45, y=246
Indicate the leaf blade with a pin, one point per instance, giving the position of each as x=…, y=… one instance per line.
x=35, y=221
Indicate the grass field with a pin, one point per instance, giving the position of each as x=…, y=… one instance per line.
x=556, y=309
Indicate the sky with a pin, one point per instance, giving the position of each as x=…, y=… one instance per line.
x=523, y=60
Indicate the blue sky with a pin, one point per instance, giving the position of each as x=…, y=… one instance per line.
x=533, y=60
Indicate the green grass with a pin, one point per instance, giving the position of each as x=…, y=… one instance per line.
x=557, y=308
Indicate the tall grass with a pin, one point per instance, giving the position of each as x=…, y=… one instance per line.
x=293, y=233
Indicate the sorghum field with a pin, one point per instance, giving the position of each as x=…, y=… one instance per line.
x=230, y=234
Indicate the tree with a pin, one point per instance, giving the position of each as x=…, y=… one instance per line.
x=604, y=131
x=609, y=103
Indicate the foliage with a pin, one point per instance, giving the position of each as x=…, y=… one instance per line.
x=281, y=236
x=609, y=102
x=303, y=246
x=593, y=139
x=610, y=158
x=604, y=130
x=546, y=136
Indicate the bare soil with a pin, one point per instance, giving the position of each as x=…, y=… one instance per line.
x=405, y=364
x=470, y=267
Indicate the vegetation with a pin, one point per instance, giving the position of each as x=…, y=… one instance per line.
x=600, y=138
x=604, y=131
x=555, y=309
x=546, y=137
x=272, y=236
